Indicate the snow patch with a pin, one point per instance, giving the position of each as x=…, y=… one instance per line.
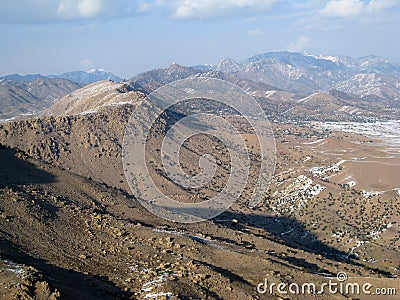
x=88, y=112
x=388, y=131
x=157, y=295
x=307, y=98
x=15, y=268
x=371, y=193
x=351, y=183
x=91, y=71
x=296, y=194
x=328, y=171
x=314, y=142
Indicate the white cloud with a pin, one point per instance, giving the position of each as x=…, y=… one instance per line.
x=254, y=32
x=381, y=5
x=76, y=9
x=300, y=44
x=89, y=8
x=86, y=63
x=186, y=9
x=29, y=11
x=355, y=8
x=80, y=9
x=343, y=8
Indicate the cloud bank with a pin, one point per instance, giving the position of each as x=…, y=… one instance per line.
x=356, y=8
x=186, y=9
x=42, y=11
x=30, y=11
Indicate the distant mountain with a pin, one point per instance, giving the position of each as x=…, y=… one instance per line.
x=277, y=79
x=22, y=78
x=247, y=85
x=304, y=73
x=289, y=71
x=153, y=79
x=293, y=86
x=229, y=65
x=205, y=67
x=372, y=86
x=26, y=98
x=90, y=76
x=80, y=77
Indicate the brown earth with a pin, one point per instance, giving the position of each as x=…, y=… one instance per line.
x=67, y=213
x=94, y=242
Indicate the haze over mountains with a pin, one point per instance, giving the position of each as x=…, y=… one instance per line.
x=80, y=77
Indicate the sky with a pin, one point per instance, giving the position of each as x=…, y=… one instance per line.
x=128, y=37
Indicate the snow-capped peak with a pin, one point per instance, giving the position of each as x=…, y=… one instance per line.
x=91, y=71
x=334, y=59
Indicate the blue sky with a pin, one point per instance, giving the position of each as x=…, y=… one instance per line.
x=131, y=36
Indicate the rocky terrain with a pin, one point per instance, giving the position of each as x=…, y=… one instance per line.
x=321, y=215
x=70, y=227
x=90, y=240
x=19, y=281
x=93, y=97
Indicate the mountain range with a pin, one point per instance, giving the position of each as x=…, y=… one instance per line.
x=80, y=77
x=26, y=98
x=369, y=77
x=26, y=95
x=303, y=73
x=272, y=76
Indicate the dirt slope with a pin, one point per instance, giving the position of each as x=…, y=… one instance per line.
x=93, y=242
